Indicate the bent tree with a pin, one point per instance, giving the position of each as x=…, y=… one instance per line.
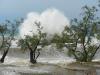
x=78, y=39
x=7, y=33
x=34, y=43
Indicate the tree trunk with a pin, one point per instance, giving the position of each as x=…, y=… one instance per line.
x=3, y=56
x=32, y=59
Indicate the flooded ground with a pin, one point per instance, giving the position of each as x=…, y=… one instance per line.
x=17, y=63
x=44, y=68
x=41, y=69
x=37, y=69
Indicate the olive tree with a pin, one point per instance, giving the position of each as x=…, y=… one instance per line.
x=32, y=43
x=8, y=31
x=78, y=38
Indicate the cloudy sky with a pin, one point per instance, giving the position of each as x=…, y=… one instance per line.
x=12, y=9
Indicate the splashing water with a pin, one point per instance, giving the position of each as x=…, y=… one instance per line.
x=52, y=21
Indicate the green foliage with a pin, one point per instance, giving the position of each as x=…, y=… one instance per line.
x=62, y=39
x=84, y=31
x=32, y=40
x=8, y=31
x=81, y=33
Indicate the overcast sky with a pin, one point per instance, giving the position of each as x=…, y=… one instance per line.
x=12, y=9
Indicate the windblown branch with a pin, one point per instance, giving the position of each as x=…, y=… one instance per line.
x=95, y=51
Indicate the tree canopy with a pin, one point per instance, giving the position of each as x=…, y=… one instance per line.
x=82, y=32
